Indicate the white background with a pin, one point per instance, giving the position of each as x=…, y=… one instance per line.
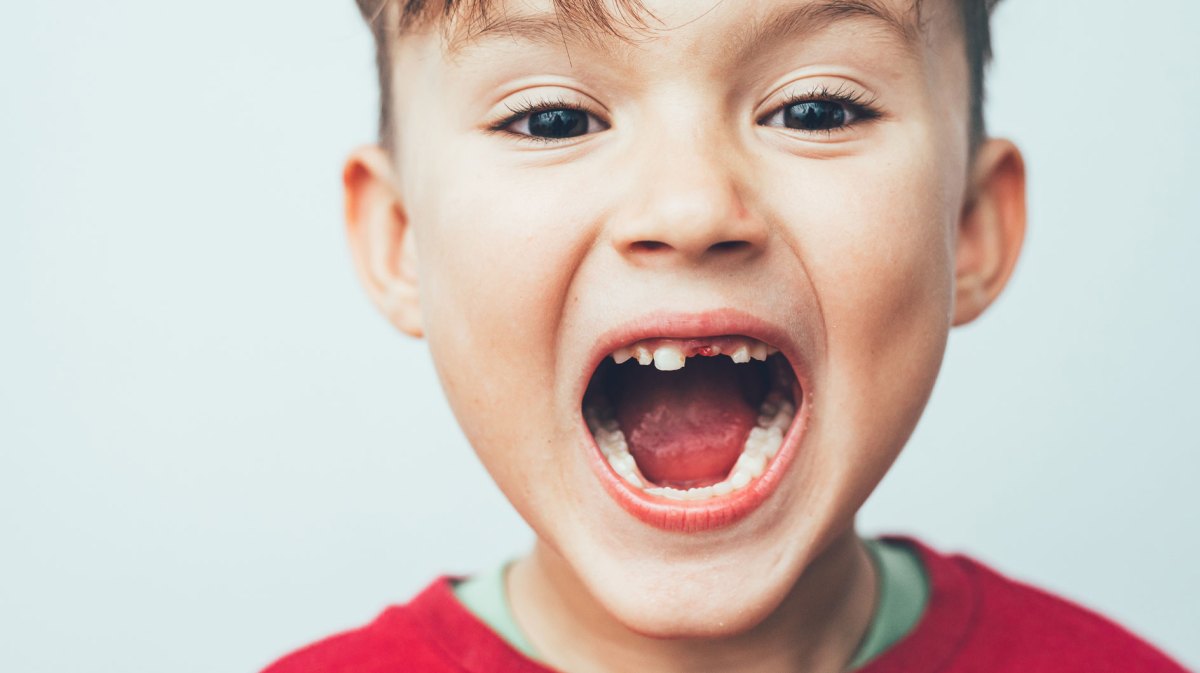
x=212, y=450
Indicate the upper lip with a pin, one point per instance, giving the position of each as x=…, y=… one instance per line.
x=672, y=325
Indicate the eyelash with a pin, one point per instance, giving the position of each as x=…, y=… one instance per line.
x=861, y=106
x=527, y=107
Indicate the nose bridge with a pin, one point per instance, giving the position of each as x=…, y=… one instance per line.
x=689, y=197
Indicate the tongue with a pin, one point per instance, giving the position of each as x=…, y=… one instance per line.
x=686, y=428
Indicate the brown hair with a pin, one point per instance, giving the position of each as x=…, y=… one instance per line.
x=391, y=18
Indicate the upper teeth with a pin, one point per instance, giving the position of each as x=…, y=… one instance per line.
x=669, y=355
x=668, y=358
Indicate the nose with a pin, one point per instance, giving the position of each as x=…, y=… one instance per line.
x=687, y=206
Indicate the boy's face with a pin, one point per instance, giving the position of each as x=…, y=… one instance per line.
x=788, y=173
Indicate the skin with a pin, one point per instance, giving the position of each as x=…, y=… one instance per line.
x=868, y=244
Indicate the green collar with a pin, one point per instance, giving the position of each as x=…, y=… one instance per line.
x=903, y=595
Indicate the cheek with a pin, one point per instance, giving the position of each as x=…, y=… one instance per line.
x=875, y=240
x=497, y=253
x=883, y=261
x=875, y=237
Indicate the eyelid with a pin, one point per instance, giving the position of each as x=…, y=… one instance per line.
x=532, y=105
x=861, y=104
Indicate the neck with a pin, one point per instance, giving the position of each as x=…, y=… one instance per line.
x=816, y=628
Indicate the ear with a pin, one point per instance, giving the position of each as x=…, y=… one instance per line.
x=381, y=240
x=991, y=229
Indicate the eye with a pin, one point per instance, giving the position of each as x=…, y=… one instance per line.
x=556, y=123
x=821, y=111
x=550, y=121
x=815, y=115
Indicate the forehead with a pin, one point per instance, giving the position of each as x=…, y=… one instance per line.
x=730, y=26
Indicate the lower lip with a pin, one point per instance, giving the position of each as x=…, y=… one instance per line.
x=683, y=516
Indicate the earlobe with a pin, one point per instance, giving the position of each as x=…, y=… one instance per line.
x=991, y=229
x=381, y=239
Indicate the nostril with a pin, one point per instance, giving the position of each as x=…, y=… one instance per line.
x=729, y=246
x=648, y=246
x=659, y=246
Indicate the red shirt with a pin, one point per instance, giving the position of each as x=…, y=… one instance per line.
x=976, y=621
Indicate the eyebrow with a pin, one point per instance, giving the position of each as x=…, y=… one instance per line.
x=547, y=29
x=812, y=17
x=538, y=29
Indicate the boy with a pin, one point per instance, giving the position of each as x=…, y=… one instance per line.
x=687, y=272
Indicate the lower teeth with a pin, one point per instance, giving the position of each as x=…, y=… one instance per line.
x=775, y=415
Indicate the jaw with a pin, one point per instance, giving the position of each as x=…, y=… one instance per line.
x=636, y=540
x=686, y=604
x=673, y=568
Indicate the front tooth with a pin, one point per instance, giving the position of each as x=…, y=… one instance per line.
x=739, y=480
x=621, y=355
x=672, y=493
x=722, y=488
x=759, y=351
x=741, y=354
x=643, y=355
x=668, y=358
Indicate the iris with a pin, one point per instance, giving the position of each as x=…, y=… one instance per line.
x=558, y=123
x=815, y=115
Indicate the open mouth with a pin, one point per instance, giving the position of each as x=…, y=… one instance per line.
x=692, y=421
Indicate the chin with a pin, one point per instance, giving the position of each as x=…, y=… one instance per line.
x=684, y=607
x=708, y=586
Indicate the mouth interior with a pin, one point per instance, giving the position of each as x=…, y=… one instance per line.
x=687, y=428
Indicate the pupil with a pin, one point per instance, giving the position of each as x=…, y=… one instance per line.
x=558, y=123
x=814, y=115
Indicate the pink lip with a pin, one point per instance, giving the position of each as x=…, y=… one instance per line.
x=697, y=516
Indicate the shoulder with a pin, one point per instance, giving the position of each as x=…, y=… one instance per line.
x=397, y=641
x=1014, y=626
x=1055, y=629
